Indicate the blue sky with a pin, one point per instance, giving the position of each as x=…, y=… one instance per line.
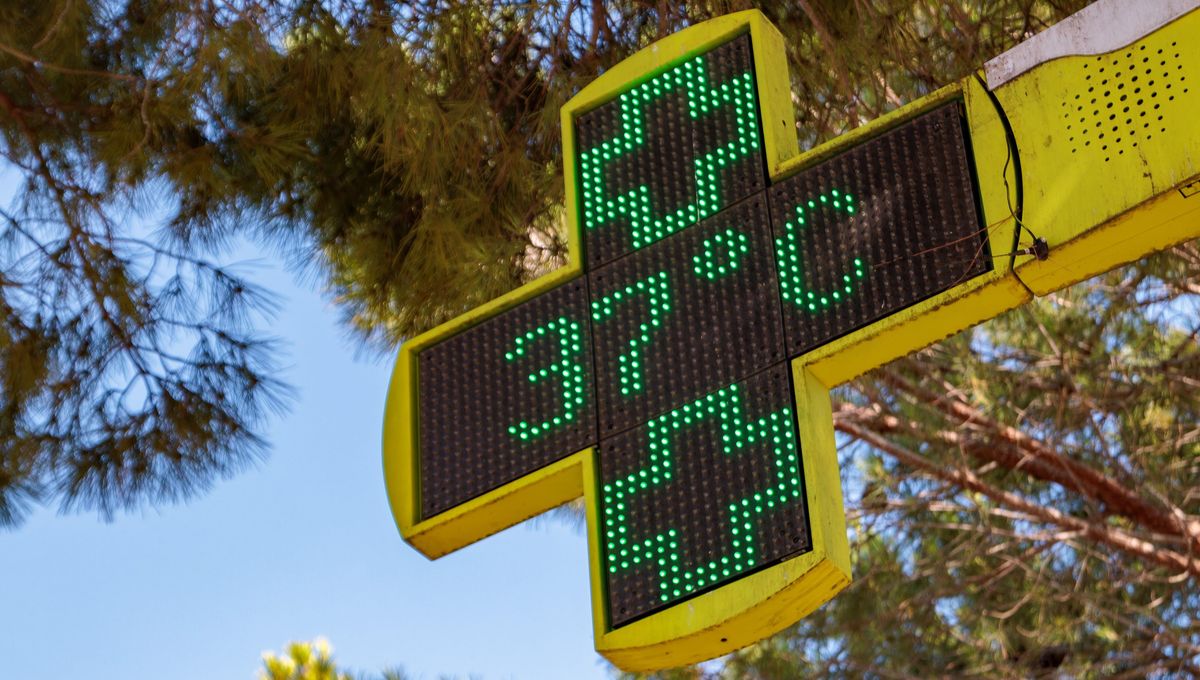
x=302, y=546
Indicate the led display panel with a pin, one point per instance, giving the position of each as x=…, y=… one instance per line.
x=669, y=152
x=655, y=371
x=685, y=316
x=670, y=353
x=877, y=228
x=506, y=397
x=701, y=495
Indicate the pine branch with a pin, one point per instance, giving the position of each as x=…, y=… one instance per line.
x=38, y=63
x=1015, y=450
x=965, y=478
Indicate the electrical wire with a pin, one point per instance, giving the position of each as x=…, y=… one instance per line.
x=1039, y=248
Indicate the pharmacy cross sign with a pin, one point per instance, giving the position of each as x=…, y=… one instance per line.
x=676, y=373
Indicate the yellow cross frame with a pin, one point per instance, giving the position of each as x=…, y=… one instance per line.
x=1096, y=209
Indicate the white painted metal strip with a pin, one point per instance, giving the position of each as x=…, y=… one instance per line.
x=1102, y=26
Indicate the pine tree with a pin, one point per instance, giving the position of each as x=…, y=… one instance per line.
x=1024, y=497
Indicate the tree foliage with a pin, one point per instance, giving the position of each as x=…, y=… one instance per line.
x=312, y=661
x=1024, y=497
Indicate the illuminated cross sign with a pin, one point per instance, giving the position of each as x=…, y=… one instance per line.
x=676, y=373
x=669, y=352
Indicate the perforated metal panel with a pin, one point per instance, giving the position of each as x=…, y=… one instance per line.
x=876, y=229
x=1130, y=97
x=686, y=315
x=505, y=398
x=669, y=152
x=701, y=496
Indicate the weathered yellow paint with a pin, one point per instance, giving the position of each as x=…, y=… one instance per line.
x=1095, y=214
x=1160, y=223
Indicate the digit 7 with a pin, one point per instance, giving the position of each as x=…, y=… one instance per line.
x=657, y=292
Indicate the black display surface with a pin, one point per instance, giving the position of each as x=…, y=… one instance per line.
x=670, y=152
x=701, y=496
x=483, y=421
x=877, y=228
x=685, y=316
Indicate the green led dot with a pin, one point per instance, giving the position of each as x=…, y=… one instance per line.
x=788, y=250
x=647, y=228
